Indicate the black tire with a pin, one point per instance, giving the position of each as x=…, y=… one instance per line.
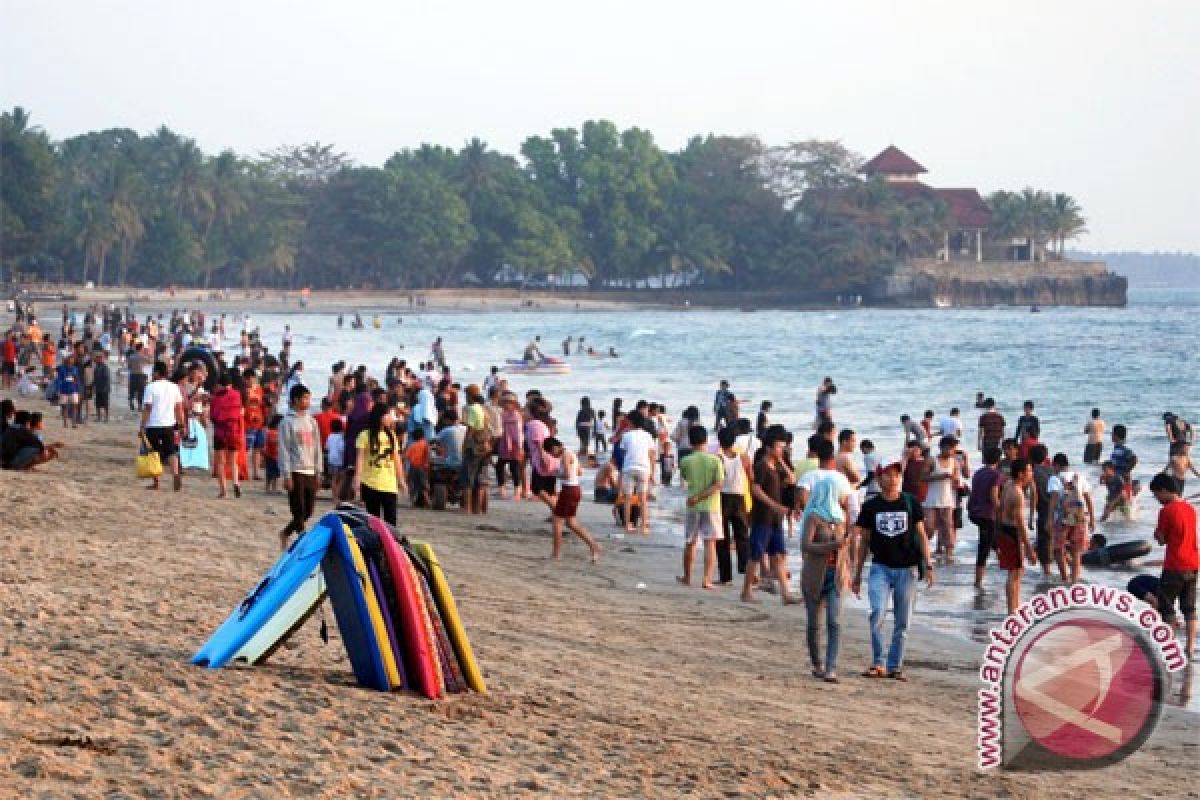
x=438, y=497
x=210, y=365
x=1116, y=553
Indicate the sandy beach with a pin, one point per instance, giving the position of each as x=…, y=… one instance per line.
x=597, y=689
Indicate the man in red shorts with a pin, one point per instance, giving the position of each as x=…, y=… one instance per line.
x=1012, y=535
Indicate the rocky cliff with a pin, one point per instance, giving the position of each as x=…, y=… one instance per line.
x=924, y=284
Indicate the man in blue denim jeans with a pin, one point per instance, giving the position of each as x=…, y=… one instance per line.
x=891, y=525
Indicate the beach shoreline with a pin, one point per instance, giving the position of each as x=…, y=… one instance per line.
x=597, y=688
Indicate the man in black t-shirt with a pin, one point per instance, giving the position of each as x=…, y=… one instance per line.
x=771, y=475
x=891, y=526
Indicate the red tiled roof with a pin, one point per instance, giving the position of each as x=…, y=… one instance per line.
x=966, y=207
x=892, y=161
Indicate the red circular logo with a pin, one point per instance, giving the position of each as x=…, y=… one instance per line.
x=1085, y=689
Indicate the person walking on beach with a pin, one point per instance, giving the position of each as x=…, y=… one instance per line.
x=102, y=383
x=704, y=474
x=991, y=426
x=981, y=508
x=477, y=451
x=825, y=574
x=1094, y=430
x=639, y=457
x=771, y=475
x=1029, y=430
x=135, y=365
x=300, y=460
x=163, y=420
x=566, y=506
x=1012, y=534
x=735, y=495
x=544, y=467
x=891, y=527
x=1176, y=529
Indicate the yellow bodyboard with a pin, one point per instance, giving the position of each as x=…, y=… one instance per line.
x=454, y=627
x=381, y=634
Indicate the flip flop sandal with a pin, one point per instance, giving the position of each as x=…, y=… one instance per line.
x=875, y=672
x=832, y=679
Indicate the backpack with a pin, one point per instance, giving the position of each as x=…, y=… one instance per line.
x=1072, y=507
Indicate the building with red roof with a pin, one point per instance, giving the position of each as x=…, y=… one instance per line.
x=968, y=215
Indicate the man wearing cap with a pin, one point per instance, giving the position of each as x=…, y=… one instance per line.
x=771, y=475
x=891, y=526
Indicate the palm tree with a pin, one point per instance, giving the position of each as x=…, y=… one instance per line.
x=1035, y=219
x=1066, y=220
x=187, y=183
x=228, y=195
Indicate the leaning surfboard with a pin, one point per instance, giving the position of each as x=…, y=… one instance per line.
x=420, y=661
x=347, y=589
x=269, y=596
x=290, y=617
x=374, y=611
x=450, y=618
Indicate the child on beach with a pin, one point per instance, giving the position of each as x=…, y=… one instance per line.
x=704, y=474
x=601, y=433
x=335, y=454
x=567, y=503
x=271, y=454
x=418, y=458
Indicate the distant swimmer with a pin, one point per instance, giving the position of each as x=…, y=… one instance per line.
x=566, y=346
x=579, y=346
x=612, y=352
x=341, y=321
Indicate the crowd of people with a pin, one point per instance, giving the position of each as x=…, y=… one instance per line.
x=415, y=435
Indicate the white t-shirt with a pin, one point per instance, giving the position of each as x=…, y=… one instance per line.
x=637, y=444
x=1056, y=482
x=809, y=479
x=161, y=396
x=951, y=426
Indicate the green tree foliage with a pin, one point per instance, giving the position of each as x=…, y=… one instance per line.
x=596, y=201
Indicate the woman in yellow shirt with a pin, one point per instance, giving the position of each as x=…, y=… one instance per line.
x=379, y=472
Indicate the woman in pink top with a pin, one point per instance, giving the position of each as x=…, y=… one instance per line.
x=511, y=448
x=225, y=411
x=545, y=466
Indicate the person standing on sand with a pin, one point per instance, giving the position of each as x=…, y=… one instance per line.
x=942, y=476
x=1012, y=534
x=735, y=492
x=300, y=460
x=1094, y=429
x=566, y=506
x=379, y=469
x=826, y=570
x=771, y=475
x=226, y=414
x=637, y=463
x=1176, y=529
x=704, y=474
x=585, y=421
x=544, y=466
x=163, y=420
x=891, y=527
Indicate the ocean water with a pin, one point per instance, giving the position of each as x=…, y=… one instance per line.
x=1132, y=363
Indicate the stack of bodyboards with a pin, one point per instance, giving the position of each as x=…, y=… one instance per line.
x=390, y=597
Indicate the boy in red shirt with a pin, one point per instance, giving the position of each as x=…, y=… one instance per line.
x=1177, y=530
x=417, y=456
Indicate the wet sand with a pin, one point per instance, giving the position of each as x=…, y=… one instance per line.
x=597, y=689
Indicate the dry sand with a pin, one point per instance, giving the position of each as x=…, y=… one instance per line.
x=597, y=689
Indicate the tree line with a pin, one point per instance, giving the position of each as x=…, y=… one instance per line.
x=596, y=203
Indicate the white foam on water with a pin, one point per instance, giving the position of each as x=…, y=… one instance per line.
x=643, y=332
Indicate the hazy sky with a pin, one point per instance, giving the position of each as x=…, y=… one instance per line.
x=1097, y=99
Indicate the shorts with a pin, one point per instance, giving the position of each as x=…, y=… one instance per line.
x=1008, y=547
x=224, y=439
x=987, y=539
x=567, y=504
x=635, y=480
x=767, y=539
x=271, y=466
x=1072, y=536
x=101, y=401
x=68, y=399
x=256, y=439
x=542, y=483
x=1177, y=586
x=9, y=368
x=473, y=473
x=704, y=525
x=1091, y=453
x=162, y=441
